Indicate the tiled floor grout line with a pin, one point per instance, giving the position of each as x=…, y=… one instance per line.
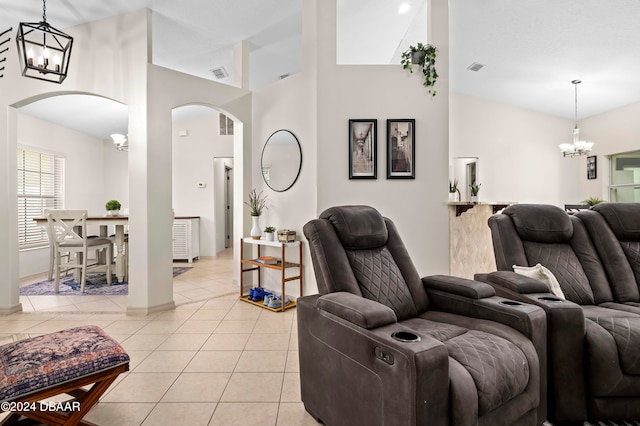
x=158, y=338
x=184, y=368
x=280, y=398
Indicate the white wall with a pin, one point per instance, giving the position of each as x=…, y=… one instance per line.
x=316, y=106
x=109, y=59
x=287, y=104
x=84, y=160
x=519, y=158
x=84, y=175
x=96, y=172
x=418, y=206
x=613, y=132
x=193, y=160
x=116, y=175
x=112, y=58
x=170, y=89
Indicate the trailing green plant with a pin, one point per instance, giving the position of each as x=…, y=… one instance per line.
x=257, y=202
x=270, y=229
x=112, y=205
x=592, y=201
x=425, y=57
x=474, y=189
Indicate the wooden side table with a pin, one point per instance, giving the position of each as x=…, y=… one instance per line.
x=281, y=266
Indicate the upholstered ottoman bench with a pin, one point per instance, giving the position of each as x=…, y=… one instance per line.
x=37, y=368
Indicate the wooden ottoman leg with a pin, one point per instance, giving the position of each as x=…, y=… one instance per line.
x=85, y=399
x=91, y=358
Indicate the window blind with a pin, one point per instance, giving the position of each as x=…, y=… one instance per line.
x=40, y=187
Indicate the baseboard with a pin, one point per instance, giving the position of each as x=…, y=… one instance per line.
x=151, y=310
x=11, y=309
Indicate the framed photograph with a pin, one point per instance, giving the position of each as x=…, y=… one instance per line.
x=363, y=149
x=592, y=172
x=401, y=149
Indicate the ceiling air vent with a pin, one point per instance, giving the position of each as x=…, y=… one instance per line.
x=283, y=76
x=475, y=67
x=220, y=73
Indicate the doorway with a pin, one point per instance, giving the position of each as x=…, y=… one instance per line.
x=228, y=201
x=223, y=187
x=465, y=170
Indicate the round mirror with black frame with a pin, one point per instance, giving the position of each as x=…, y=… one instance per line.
x=281, y=160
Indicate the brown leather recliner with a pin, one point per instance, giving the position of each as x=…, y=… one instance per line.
x=593, y=340
x=382, y=346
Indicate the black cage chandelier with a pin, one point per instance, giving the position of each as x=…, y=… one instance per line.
x=44, y=51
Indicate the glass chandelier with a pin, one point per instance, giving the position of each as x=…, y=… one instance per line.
x=120, y=141
x=578, y=147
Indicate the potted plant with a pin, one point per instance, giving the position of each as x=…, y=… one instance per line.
x=453, y=189
x=592, y=201
x=257, y=203
x=269, y=233
x=475, y=188
x=113, y=207
x=423, y=55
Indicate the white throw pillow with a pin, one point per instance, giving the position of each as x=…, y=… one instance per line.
x=541, y=273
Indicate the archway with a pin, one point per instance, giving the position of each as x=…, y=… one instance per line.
x=229, y=153
x=198, y=139
x=114, y=164
x=73, y=127
x=151, y=92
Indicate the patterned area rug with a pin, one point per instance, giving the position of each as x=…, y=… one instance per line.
x=96, y=285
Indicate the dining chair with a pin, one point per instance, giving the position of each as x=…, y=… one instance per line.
x=68, y=233
x=52, y=256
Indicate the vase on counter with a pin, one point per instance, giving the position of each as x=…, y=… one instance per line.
x=474, y=198
x=452, y=197
x=256, y=231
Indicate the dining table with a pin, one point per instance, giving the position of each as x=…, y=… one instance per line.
x=104, y=222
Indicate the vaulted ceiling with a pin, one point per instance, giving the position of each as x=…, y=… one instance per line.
x=531, y=49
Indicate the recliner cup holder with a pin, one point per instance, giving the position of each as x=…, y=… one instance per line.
x=512, y=303
x=405, y=336
x=550, y=299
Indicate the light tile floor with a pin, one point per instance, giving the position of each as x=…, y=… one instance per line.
x=208, y=277
x=213, y=360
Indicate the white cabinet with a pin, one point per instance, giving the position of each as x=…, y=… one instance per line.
x=186, y=238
